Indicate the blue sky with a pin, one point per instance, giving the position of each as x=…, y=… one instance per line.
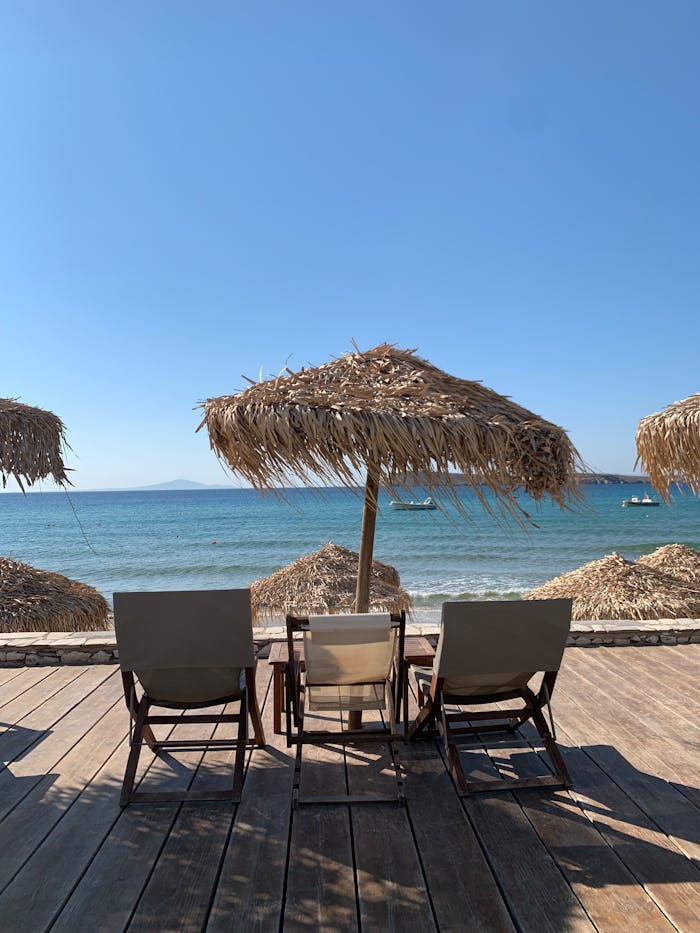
x=190, y=192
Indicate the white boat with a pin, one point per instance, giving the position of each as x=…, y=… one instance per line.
x=413, y=506
x=636, y=501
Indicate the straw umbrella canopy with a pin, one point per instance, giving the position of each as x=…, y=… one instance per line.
x=614, y=588
x=677, y=560
x=34, y=600
x=31, y=444
x=392, y=414
x=325, y=582
x=668, y=445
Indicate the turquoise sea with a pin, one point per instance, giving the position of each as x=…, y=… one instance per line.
x=229, y=537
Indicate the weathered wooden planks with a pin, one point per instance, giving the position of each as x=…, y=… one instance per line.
x=320, y=877
x=181, y=886
x=598, y=877
x=250, y=890
x=615, y=850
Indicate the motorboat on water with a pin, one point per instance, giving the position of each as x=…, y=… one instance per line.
x=636, y=501
x=413, y=506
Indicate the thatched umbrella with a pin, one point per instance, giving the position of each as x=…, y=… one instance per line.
x=324, y=582
x=668, y=445
x=31, y=444
x=614, y=588
x=677, y=560
x=392, y=414
x=34, y=600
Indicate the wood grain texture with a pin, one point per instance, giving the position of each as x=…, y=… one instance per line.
x=619, y=850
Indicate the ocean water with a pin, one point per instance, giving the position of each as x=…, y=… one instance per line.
x=227, y=538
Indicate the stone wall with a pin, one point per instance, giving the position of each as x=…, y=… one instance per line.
x=19, y=649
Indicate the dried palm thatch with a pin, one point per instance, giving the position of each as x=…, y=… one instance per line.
x=31, y=444
x=677, y=560
x=389, y=412
x=390, y=409
x=34, y=600
x=668, y=445
x=324, y=582
x=613, y=588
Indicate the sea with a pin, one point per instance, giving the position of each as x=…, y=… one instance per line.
x=219, y=538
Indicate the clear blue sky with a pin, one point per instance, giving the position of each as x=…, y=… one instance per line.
x=192, y=191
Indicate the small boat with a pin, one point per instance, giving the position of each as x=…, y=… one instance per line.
x=413, y=506
x=636, y=501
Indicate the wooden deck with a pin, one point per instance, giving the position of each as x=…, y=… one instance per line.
x=618, y=852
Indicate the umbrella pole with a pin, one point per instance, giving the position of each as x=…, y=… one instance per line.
x=369, y=520
x=364, y=568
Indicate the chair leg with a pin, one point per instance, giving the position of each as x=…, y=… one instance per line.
x=551, y=747
x=239, y=764
x=255, y=718
x=452, y=752
x=296, y=784
x=424, y=719
x=405, y=706
x=134, y=753
x=133, y=705
x=393, y=751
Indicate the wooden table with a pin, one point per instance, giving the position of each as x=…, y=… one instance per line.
x=417, y=650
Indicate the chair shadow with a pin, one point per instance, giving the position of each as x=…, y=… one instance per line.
x=650, y=823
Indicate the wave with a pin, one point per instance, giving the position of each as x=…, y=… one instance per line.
x=435, y=600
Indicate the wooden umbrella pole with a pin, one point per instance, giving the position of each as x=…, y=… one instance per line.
x=369, y=520
x=364, y=567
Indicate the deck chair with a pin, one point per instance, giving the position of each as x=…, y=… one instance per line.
x=189, y=650
x=487, y=654
x=351, y=663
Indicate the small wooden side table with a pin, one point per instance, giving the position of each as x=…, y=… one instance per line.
x=417, y=650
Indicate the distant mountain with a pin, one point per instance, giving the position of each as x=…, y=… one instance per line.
x=179, y=484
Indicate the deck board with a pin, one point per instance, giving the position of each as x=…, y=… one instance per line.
x=320, y=879
x=604, y=885
x=251, y=885
x=620, y=849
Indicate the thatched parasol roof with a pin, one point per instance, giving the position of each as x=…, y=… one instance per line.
x=31, y=444
x=668, y=445
x=613, y=588
x=678, y=560
x=34, y=600
x=389, y=409
x=324, y=582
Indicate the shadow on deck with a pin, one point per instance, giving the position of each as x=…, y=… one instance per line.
x=620, y=849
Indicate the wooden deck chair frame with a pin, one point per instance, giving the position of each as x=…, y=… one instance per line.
x=187, y=614
x=298, y=735
x=433, y=701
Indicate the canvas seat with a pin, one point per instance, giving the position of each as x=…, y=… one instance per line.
x=488, y=653
x=352, y=663
x=189, y=650
x=349, y=698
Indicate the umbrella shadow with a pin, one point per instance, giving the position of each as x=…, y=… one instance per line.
x=17, y=741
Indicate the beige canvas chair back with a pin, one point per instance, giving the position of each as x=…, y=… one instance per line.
x=185, y=646
x=496, y=646
x=349, y=649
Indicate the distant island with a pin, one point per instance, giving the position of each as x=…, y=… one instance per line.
x=586, y=479
x=178, y=485
x=415, y=479
x=611, y=479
